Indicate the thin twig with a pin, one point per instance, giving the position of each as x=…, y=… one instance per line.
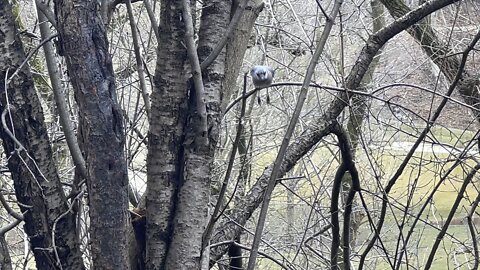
x=371, y=94
x=138, y=58
x=30, y=55
x=153, y=20
x=472, y=230
x=453, y=210
x=9, y=226
x=7, y=130
x=429, y=199
x=281, y=254
x=283, y=266
x=196, y=73
x=21, y=148
x=410, y=154
x=9, y=210
x=54, y=247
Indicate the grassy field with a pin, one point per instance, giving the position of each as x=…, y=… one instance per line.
x=428, y=172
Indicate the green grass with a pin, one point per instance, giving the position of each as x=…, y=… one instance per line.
x=420, y=248
x=425, y=170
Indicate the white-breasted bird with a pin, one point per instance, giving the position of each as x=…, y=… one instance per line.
x=262, y=76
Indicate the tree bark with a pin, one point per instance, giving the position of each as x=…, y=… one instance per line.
x=166, y=134
x=30, y=160
x=237, y=45
x=192, y=201
x=83, y=42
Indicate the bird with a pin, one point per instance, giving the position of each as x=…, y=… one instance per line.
x=262, y=76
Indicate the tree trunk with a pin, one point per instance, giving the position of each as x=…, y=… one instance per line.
x=179, y=168
x=36, y=181
x=84, y=44
x=165, y=138
x=194, y=193
x=179, y=171
x=237, y=45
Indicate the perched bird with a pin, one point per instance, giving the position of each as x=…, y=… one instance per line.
x=262, y=76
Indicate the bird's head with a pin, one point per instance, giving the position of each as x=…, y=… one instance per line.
x=262, y=76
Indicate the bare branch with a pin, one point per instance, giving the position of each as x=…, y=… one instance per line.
x=452, y=212
x=30, y=55
x=60, y=99
x=348, y=164
x=9, y=227
x=472, y=229
x=418, y=141
x=9, y=210
x=221, y=43
x=151, y=16
x=321, y=127
x=138, y=57
x=47, y=12
x=7, y=130
x=196, y=73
